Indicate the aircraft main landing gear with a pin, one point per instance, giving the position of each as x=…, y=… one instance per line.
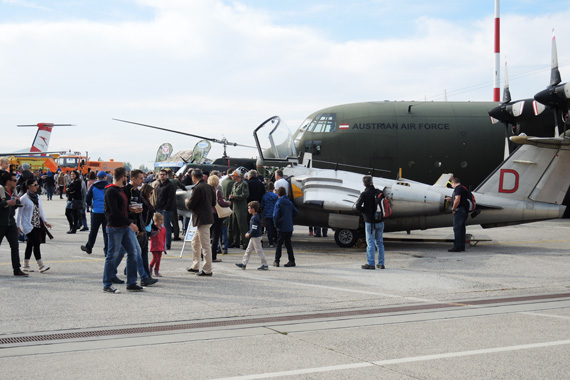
x=345, y=238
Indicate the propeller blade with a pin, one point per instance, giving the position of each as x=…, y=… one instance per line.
x=554, y=73
x=506, y=91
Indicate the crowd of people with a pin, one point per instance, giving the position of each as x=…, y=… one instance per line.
x=137, y=213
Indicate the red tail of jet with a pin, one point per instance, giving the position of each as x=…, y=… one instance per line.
x=41, y=141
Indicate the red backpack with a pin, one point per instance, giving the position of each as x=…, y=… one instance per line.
x=383, y=207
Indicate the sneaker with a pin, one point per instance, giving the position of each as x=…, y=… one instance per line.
x=44, y=268
x=263, y=267
x=110, y=289
x=148, y=281
x=379, y=266
x=19, y=272
x=192, y=270
x=366, y=266
x=290, y=264
x=240, y=265
x=27, y=269
x=134, y=288
x=85, y=249
x=202, y=273
x=84, y=229
x=117, y=280
x=157, y=274
x=276, y=263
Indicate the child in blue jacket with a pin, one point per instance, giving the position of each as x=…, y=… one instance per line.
x=254, y=236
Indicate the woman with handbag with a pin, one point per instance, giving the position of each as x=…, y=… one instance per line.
x=74, y=202
x=32, y=222
x=216, y=229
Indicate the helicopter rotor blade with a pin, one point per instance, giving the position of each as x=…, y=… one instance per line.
x=224, y=142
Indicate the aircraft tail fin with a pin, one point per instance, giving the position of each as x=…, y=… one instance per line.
x=43, y=135
x=537, y=171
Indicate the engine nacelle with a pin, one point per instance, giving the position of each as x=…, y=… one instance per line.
x=414, y=200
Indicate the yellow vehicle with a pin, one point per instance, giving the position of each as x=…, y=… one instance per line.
x=35, y=162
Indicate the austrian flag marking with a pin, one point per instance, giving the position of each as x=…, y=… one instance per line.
x=344, y=126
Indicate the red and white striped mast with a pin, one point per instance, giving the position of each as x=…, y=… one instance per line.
x=496, y=79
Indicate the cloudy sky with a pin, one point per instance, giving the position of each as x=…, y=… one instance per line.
x=219, y=68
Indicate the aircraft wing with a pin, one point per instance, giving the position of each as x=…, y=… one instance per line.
x=28, y=153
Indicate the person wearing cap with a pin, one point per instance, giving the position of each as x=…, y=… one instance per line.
x=96, y=200
x=373, y=222
x=238, y=196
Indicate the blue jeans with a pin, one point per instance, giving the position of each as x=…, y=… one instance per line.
x=375, y=241
x=138, y=256
x=459, y=220
x=49, y=191
x=118, y=238
x=225, y=241
x=167, y=214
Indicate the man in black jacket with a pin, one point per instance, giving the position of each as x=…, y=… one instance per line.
x=373, y=222
x=460, y=209
x=165, y=202
x=121, y=232
x=201, y=202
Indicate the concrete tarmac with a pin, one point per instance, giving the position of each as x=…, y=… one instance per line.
x=500, y=310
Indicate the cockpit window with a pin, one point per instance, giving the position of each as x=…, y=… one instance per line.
x=323, y=122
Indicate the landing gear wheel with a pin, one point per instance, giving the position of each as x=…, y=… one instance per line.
x=345, y=238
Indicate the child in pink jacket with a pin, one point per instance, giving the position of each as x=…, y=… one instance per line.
x=157, y=243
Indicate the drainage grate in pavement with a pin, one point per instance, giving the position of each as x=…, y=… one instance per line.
x=259, y=320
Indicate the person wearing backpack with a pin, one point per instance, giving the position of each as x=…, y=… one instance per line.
x=367, y=204
x=460, y=208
